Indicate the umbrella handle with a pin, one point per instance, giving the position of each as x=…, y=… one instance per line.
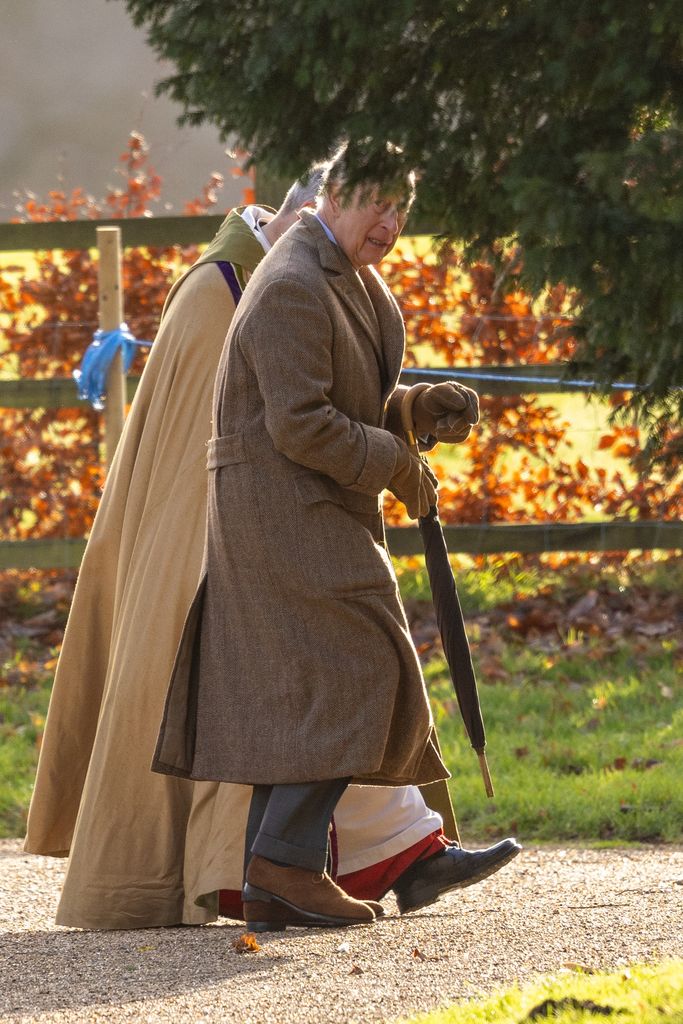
x=485, y=774
x=407, y=422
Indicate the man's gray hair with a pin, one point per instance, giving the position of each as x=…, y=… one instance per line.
x=305, y=190
x=336, y=172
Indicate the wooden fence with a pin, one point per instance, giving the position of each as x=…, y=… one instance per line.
x=495, y=380
x=80, y=234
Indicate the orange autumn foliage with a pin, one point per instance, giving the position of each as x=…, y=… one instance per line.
x=517, y=466
x=50, y=467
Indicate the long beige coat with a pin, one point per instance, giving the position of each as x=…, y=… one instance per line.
x=143, y=849
x=296, y=662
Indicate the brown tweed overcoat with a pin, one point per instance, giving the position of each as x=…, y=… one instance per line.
x=296, y=663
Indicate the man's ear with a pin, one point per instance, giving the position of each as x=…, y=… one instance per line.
x=334, y=198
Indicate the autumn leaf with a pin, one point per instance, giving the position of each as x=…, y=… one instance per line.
x=246, y=943
x=417, y=954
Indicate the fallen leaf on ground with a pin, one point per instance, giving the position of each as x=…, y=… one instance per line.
x=356, y=970
x=246, y=943
x=419, y=955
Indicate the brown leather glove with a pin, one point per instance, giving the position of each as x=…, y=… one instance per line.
x=447, y=411
x=413, y=482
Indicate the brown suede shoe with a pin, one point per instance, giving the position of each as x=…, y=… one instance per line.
x=310, y=894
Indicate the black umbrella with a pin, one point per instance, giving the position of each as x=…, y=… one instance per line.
x=448, y=611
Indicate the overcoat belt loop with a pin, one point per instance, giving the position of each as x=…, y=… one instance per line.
x=225, y=451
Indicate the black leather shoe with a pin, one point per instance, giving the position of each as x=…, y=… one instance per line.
x=428, y=879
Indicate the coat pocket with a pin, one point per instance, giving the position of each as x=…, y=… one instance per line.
x=337, y=552
x=312, y=489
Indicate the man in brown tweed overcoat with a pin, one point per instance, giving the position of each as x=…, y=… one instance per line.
x=296, y=673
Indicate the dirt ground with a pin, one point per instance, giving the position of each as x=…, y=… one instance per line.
x=548, y=911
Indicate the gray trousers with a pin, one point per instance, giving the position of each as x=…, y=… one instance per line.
x=289, y=824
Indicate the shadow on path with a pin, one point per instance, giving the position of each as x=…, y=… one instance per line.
x=47, y=970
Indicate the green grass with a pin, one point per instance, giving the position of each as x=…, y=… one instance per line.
x=480, y=588
x=498, y=579
x=635, y=995
x=26, y=671
x=22, y=716
x=579, y=749
x=585, y=738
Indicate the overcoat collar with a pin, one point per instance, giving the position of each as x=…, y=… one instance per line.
x=391, y=325
x=367, y=298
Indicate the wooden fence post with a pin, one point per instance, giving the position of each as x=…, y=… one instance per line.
x=110, y=298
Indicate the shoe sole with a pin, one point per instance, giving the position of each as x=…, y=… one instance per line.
x=472, y=880
x=309, y=918
x=280, y=923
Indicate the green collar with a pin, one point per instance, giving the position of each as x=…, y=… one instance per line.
x=235, y=243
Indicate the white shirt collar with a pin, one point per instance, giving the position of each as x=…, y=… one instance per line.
x=255, y=217
x=326, y=229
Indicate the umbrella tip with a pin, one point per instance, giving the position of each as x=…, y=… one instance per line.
x=485, y=774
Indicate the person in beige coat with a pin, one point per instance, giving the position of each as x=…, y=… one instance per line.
x=296, y=673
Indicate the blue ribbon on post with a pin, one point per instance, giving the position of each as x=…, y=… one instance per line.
x=91, y=376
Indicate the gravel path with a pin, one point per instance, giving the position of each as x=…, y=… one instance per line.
x=548, y=909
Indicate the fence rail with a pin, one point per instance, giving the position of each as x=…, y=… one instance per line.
x=80, y=234
x=66, y=553
x=144, y=231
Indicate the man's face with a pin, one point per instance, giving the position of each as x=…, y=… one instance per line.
x=367, y=225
